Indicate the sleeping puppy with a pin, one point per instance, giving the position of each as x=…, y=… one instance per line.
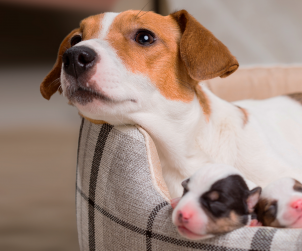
x=216, y=200
x=280, y=204
x=141, y=68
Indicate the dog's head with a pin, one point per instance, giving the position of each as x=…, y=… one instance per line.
x=280, y=204
x=123, y=63
x=216, y=200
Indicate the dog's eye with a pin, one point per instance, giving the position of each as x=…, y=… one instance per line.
x=144, y=37
x=75, y=40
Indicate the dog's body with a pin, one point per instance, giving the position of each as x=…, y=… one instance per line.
x=263, y=148
x=145, y=69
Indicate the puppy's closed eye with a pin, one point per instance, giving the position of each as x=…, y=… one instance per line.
x=271, y=210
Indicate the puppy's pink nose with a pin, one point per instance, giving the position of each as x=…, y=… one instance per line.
x=184, y=216
x=297, y=204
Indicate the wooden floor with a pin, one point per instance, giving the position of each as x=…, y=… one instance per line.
x=37, y=181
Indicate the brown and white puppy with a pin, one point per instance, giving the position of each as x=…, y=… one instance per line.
x=216, y=200
x=141, y=68
x=280, y=204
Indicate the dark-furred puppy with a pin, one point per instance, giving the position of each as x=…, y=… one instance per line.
x=216, y=200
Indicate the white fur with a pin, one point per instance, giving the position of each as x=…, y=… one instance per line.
x=106, y=23
x=264, y=149
x=199, y=218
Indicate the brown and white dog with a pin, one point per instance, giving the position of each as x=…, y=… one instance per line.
x=217, y=199
x=280, y=204
x=146, y=69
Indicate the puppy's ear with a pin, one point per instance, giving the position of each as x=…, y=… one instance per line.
x=253, y=198
x=298, y=186
x=185, y=183
x=51, y=82
x=204, y=56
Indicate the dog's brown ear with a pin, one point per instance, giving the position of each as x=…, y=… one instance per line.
x=51, y=82
x=204, y=56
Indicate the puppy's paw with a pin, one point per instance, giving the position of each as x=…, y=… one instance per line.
x=255, y=223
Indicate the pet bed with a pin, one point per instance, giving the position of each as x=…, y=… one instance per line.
x=122, y=200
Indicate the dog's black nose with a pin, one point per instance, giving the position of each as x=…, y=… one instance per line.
x=78, y=59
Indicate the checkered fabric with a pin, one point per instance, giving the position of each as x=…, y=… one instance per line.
x=122, y=205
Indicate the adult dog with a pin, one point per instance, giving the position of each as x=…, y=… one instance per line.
x=143, y=68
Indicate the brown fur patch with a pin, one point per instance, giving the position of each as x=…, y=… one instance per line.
x=160, y=61
x=204, y=102
x=296, y=96
x=298, y=186
x=245, y=115
x=224, y=225
x=51, y=82
x=264, y=215
x=91, y=27
x=214, y=195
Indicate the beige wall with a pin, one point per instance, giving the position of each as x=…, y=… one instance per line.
x=256, y=32
x=122, y=5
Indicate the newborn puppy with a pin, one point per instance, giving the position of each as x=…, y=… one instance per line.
x=216, y=200
x=280, y=204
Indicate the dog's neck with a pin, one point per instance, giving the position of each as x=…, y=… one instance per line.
x=184, y=136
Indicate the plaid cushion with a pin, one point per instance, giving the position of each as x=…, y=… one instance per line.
x=122, y=200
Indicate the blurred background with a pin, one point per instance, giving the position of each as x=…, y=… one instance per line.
x=38, y=138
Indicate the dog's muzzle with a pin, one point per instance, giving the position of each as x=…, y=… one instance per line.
x=78, y=59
